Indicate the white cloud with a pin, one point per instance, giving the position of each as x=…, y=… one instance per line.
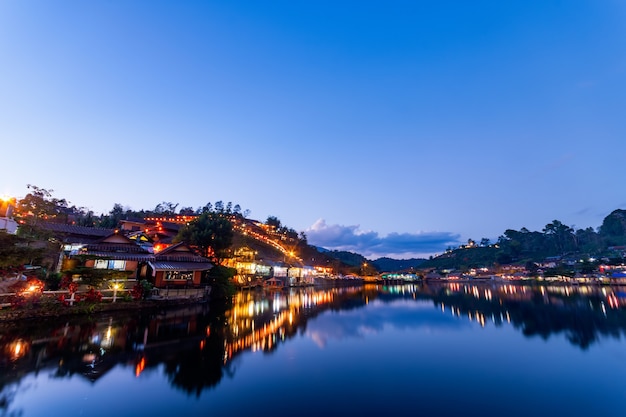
x=372, y=245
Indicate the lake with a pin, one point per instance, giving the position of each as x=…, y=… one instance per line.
x=408, y=350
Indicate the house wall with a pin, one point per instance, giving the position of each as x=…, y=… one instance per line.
x=131, y=266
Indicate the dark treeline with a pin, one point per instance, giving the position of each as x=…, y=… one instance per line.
x=558, y=239
x=555, y=240
x=39, y=203
x=118, y=213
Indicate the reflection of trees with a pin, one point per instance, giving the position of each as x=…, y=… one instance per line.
x=582, y=314
x=194, y=345
x=201, y=366
x=197, y=347
x=6, y=398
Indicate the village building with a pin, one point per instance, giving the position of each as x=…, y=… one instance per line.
x=114, y=252
x=178, y=265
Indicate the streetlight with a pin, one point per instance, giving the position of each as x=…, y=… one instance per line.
x=6, y=206
x=116, y=286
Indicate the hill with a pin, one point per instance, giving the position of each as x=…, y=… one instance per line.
x=556, y=240
x=357, y=261
x=397, y=265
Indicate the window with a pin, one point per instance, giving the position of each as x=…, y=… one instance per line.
x=109, y=264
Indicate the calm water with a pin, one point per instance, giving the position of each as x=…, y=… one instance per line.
x=415, y=350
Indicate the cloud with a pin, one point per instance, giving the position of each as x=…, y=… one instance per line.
x=397, y=314
x=371, y=244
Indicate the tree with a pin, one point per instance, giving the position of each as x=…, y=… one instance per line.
x=37, y=206
x=211, y=233
x=112, y=220
x=589, y=240
x=32, y=212
x=220, y=278
x=187, y=211
x=14, y=252
x=273, y=221
x=83, y=216
x=208, y=207
x=561, y=235
x=165, y=208
x=613, y=229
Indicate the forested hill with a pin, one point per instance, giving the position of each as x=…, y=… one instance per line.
x=380, y=264
x=525, y=246
x=348, y=258
x=397, y=265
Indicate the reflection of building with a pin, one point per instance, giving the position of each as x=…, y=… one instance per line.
x=193, y=345
x=261, y=323
x=92, y=348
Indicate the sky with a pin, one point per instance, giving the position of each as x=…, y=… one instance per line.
x=389, y=128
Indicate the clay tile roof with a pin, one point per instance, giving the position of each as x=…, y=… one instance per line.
x=76, y=230
x=123, y=256
x=182, y=266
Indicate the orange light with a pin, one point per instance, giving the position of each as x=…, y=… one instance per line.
x=141, y=365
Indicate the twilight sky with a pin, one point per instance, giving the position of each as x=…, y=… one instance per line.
x=383, y=127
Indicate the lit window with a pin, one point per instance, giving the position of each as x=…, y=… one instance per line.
x=109, y=264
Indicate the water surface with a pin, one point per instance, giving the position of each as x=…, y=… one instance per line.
x=436, y=349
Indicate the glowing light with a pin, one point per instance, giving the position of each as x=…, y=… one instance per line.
x=141, y=365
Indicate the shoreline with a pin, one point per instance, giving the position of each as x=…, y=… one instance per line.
x=47, y=311
x=86, y=309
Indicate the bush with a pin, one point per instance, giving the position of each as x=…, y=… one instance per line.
x=53, y=281
x=141, y=290
x=92, y=296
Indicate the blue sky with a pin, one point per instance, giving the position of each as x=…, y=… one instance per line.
x=389, y=128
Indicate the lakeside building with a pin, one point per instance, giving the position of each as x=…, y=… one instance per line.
x=175, y=266
x=7, y=223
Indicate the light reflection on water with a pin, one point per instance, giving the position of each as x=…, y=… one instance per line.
x=411, y=349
